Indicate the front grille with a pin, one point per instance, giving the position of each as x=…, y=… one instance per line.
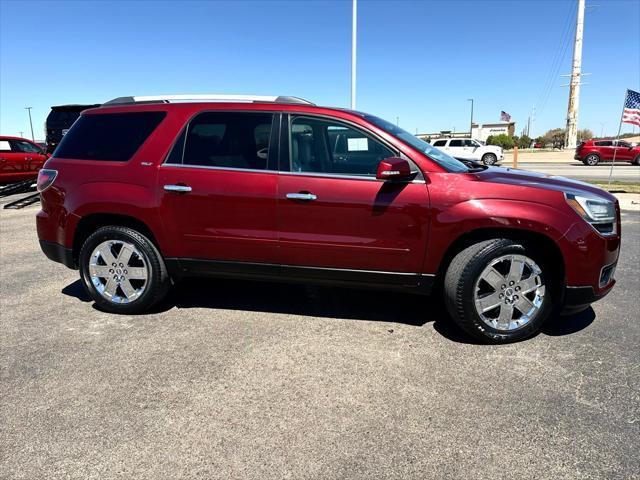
x=606, y=275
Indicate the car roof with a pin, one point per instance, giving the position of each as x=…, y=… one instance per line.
x=9, y=137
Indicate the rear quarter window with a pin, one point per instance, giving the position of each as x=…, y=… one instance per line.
x=111, y=137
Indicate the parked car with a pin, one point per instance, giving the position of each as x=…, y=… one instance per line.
x=144, y=191
x=59, y=121
x=592, y=152
x=20, y=159
x=469, y=149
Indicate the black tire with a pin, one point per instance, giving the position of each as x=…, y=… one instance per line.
x=489, y=159
x=158, y=281
x=636, y=161
x=591, y=160
x=460, y=280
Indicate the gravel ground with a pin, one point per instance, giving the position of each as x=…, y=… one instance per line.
x=251, y=380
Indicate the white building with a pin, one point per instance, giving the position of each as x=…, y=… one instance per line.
x=478, y=132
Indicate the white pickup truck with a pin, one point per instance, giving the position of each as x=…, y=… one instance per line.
x=469, y=149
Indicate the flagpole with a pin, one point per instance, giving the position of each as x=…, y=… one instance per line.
x=615, y=148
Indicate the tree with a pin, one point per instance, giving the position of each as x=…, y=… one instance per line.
x=524, y=141
x=584, y=134
x=555, y=137
x=502, y=140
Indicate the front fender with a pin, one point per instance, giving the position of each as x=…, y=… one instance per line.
x=449, y=223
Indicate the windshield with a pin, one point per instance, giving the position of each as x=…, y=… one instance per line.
x=438, y=156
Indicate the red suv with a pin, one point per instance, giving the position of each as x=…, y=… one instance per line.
x=144, y=191
x=592, y=152
x=20, y=159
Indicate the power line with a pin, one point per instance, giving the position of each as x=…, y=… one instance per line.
x=557, y=60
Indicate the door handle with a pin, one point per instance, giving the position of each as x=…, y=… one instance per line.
x=307, y=197
x=177, y=188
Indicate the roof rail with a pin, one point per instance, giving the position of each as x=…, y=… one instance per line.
x=207, y=98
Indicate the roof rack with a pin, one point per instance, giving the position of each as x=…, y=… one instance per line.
x=207, y=98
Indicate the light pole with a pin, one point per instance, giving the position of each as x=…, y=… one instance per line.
x=30, y=123
x=354, y=26
x=471, y=125
x=397, y=121
x=602, y=124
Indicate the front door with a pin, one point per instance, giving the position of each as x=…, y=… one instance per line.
x=218, y=189
x=332, y=211
x=33, y=157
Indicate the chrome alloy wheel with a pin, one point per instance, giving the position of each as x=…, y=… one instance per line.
x=509, y=292
x=118, y=271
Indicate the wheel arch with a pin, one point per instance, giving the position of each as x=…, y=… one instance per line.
x=539, y=241
x=90, y=223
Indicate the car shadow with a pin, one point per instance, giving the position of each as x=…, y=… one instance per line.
x=327, y=302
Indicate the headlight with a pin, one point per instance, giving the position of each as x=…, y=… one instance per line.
x=600, y=213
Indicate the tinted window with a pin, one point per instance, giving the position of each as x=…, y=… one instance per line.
x=603, y=144
x=26, y=147
x=225, y=139
x=456, y=143
x=109, y=136
x=323, y=146
x=623, y=144
x=440, y=143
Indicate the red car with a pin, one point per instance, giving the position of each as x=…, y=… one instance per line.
x=144, y=191
x=20, y=159
x=592, y=152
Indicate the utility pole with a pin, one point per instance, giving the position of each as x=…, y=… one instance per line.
x=471, y=124
x=30, y=123
x=354, y=27
x=571, y=134
x=21, y=134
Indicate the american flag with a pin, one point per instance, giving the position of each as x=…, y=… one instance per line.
x=504, y=116
x=631, y=111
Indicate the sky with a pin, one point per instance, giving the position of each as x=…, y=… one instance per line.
x=418, y=61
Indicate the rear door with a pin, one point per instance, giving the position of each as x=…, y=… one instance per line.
x=456, y=148
x=605, y=149
x=218, y=189
x=334, y=215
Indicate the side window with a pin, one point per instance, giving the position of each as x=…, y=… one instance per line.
x=225, y=139
x=456, y=143
x=603, y=144
x=440, y=143
x=324, y=146
x=26, y=147
x=5, y=147
x=623, y=144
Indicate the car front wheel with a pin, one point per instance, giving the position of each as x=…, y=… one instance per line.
x=489, y=159
x=498, y=291
x=122, y=270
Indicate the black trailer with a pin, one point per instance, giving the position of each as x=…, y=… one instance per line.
x=59, y=122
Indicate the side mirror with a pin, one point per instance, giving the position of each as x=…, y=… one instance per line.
x=394, y=168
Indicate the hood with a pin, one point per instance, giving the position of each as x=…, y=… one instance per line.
x=525, y=178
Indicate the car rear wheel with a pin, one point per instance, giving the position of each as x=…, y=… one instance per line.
x=122, y=270
x=636, y=161
x=489, y=159
x=498, y=291
x=592, y=160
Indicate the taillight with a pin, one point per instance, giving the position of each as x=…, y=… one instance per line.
x=45, y=178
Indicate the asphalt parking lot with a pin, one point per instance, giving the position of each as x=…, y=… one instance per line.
x=252, y=380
